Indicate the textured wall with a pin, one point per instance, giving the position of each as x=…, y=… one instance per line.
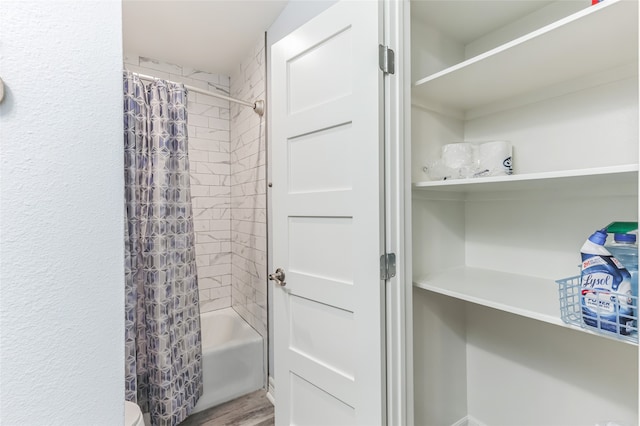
x=248, y=193
x=61, y=162
x=208, y=129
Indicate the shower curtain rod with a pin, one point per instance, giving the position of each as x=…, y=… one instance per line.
x=258, y=106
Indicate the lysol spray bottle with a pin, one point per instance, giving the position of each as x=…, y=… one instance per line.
x=606, y=288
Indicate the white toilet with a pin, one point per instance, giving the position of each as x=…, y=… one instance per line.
x=132, y=414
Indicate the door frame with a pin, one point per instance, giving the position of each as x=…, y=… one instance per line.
x=399, y=291
x=397, y=125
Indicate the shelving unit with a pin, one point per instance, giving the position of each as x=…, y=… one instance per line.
x=498, y=290
x=539, y=59
x=560, y=81
x=530, y=297
x=615, y=176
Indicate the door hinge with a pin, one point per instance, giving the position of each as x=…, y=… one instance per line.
x=387, y=266
x=386, y=59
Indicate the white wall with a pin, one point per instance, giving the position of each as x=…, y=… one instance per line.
x=61, y=228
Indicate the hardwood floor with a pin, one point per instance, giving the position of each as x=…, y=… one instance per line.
x=253, y=409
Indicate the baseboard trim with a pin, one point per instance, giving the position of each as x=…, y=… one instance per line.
x=271, y=395
x=468, y=421
x=472, y=421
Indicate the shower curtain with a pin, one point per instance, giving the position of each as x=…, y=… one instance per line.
x=163, y=360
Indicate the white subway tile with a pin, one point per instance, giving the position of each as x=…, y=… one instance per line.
x=199, y=191
x=202, y=260
x=148, y=71
x=208, y=282
x=214, y=305
x=202, y=109
x=221, y=214
x=218, y=123
x=202, y=144
x=203, y=179
x=248, y=215
x=250, y=202
x=219, y=258
x=210, y=100
x=208, y=202
x=215, y=270
x=199, y=84
x=220, y=158
x=243, y=176
x=247, y=150
x=225, y=147
x=238, y=298
x=201, y=225
x=220, y=292
x=212, y=134
x=211, y=237
x=206, y=237
x=207, y=248
x=203, y=295
x=198, y=155
x=160, y=66
x=217, y=237
x=201, y=75
x=198, y=120
x=220, y=191
x=219, y=225
x=222, y=169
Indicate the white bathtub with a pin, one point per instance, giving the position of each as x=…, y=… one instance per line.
x=232, y=359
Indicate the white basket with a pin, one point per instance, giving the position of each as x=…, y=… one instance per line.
x=570, y=294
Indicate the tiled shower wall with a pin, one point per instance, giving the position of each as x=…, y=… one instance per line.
x=209, y=150
x=248, y=193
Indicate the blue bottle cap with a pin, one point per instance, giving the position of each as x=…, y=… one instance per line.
x=599, y=237
x=624, y=238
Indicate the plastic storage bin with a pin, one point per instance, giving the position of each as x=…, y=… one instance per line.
x=570, y=292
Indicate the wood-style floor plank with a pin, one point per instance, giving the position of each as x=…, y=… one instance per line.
x=253, y=409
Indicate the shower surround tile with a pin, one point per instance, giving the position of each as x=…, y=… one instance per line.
x=248, y=193
x=228, y=187
x=210, y=170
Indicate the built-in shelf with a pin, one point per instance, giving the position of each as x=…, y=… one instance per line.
x=605, y=178
x=531, y=297
x=591, y=41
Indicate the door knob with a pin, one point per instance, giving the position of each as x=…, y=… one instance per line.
x=278, y=277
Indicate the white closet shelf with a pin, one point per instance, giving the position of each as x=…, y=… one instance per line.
x=530, y=297
x=564, y=50
x=607, y=178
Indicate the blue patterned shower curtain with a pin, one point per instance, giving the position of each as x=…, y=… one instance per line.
x=163, y=360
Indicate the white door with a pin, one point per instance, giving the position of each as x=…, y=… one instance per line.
x=327, y=146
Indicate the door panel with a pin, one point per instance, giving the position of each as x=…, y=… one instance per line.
x=313, y=334
x=311, y=156
x=305, y=90
x=327, y=219
x=312, y=406
x=315, y=259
